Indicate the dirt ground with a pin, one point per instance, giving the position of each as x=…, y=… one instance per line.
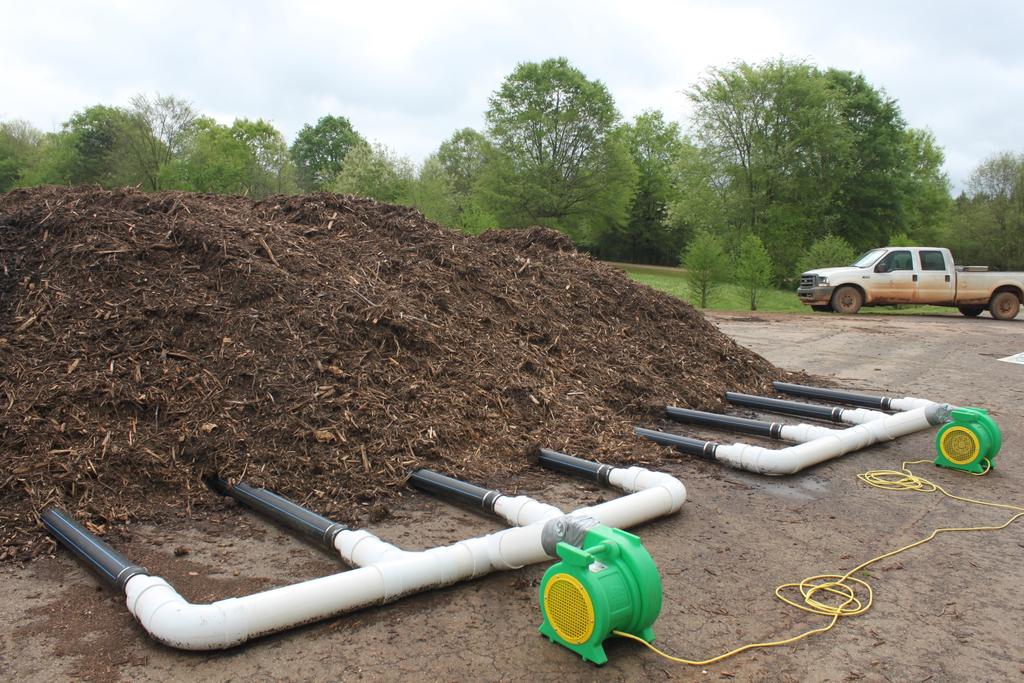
x=947, y=611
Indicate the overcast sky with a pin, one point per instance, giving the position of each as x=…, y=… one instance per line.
x=408, y=74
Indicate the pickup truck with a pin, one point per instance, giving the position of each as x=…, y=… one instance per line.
x=912, y=275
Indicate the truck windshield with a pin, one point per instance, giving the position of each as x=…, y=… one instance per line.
x=868, y=258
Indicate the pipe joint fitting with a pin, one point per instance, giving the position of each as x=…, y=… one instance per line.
x=361, y=548
x=569, y=529
x=938, y=413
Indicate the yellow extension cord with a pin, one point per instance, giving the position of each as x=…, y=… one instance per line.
x=845, y=586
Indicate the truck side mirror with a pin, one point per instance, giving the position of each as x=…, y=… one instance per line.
x=882, y=268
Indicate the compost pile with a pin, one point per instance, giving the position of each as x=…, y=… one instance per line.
x=323, y=346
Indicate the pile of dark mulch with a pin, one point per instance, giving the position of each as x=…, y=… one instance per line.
x=322, y=345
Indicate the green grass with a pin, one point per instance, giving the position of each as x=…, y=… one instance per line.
x=730, y=297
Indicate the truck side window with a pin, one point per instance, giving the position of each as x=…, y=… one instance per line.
x=932, y=260
x=895, y=260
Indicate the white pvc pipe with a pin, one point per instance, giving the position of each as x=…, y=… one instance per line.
x=859, y=416
x=828, y=445
x=909, y=403
x=802, y=433
x=385, y=572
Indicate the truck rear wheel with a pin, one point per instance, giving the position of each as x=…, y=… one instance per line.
x=1004, y=306
x=971, y=311
x=847, y=300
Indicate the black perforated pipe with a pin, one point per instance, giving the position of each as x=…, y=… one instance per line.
x=771, y=430
x=448, y=487
x=278, y=508
x=837, y=395
x=587, y=469
x=110, y=565
x=777, y=405
x=684, y=444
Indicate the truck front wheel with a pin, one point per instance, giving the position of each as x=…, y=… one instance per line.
x=847, y=300
x=1004, y=306
x=971, y=311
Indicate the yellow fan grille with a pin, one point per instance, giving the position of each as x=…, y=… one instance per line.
x=569, y=609
x=959, y=445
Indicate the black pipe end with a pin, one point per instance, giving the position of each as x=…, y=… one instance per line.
x=569, y=464
x=217, y=484
x=110, y=565
x=836, y=395
x=705, y=450
x=723, y=421
x=441, y=485
x=778, y=405
x=278, y=508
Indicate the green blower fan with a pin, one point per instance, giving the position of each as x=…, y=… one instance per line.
x=608, y=582
x=970, y=441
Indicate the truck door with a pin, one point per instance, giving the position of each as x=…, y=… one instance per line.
x=935, y=282
x=895, y=280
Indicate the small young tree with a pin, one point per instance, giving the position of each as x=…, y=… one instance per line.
x=432, y=194
x=20, y=145
x=376, y=172
x=902, y=239
x=829, y=251
x=753, y=267
x=706, y=266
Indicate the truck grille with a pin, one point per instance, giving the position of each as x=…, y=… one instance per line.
x=806, y=280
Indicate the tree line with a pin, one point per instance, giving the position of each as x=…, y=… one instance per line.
x=781, y=161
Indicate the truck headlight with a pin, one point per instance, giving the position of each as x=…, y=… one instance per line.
x=823, y=279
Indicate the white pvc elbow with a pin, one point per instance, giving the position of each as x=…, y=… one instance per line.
x=174, y=621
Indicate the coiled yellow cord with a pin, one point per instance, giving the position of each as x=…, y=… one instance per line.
x=854, y=595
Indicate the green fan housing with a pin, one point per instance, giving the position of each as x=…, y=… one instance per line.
x=609, y=583
x=970, y=441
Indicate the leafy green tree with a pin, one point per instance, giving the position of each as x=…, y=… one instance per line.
x=90, y=148
x=460, y=163
x=376, y=172
x=754, y=268
x=462, y=156
x=432, y=193
x=158, y=130
x=872, y=176
x=988, y=224
x=214, y=160
x=701, y=195
x=319, y=151
x=20, y=145
x=827, y=252
x=926, y=204
x=475, y=218
x=647, y=237
x=272, y=172
x=559, y=158
x=706, y=266
x=902, y=239
x=776, y=132
x=802, y=153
